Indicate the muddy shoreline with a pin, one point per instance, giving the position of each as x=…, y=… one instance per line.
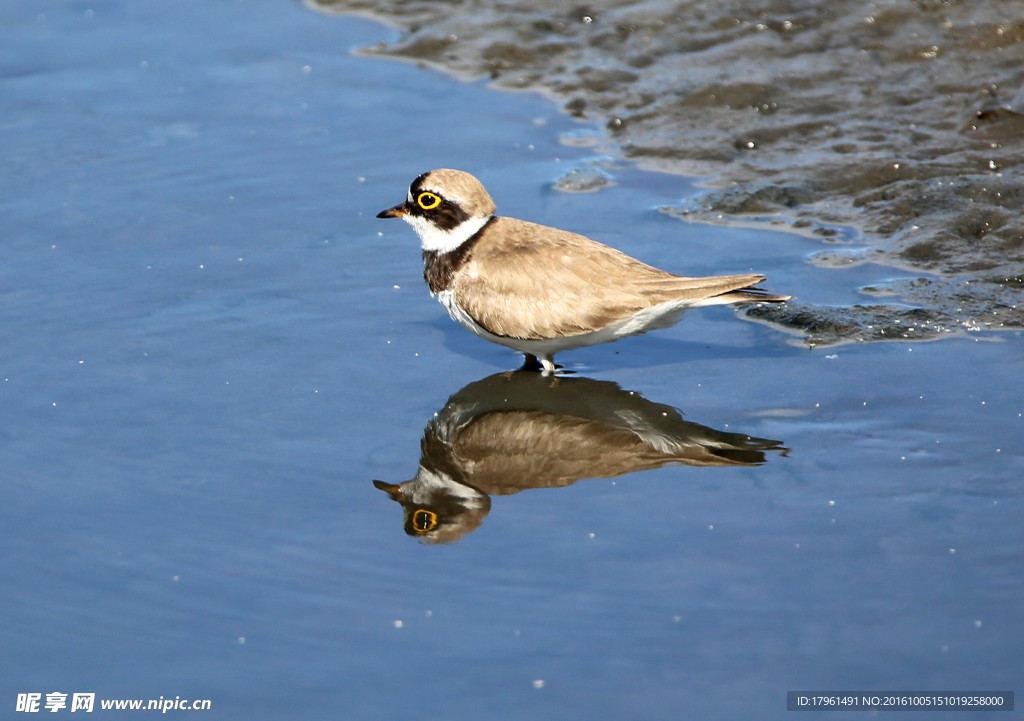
x=901, y=120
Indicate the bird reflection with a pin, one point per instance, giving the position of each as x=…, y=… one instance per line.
x=518, y=430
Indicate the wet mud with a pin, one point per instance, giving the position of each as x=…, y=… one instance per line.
x=902, y=120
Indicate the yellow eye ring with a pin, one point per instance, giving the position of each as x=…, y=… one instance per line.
x=424, y=521
x=428, y=201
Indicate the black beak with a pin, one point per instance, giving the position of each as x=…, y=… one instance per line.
x=392, y=489
x=397, y=212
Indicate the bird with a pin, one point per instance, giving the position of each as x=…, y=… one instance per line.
x=541, y=290
x=517, y=431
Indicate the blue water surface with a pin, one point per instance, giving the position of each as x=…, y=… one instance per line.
x=210, y=347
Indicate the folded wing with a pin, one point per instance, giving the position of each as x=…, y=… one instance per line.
x=546, y=283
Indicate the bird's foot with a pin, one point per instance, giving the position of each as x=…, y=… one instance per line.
x=530, y=363
x=547, y=366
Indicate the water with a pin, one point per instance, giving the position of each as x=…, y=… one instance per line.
x=212, y=347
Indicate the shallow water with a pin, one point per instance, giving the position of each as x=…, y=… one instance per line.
x=212, y=347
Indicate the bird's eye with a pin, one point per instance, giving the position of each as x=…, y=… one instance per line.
x=428, y=201
x=424, y=521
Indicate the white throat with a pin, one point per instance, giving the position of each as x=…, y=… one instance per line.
x=434, y=239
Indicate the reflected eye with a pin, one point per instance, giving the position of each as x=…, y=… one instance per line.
x=424, y=521
x=428, y=201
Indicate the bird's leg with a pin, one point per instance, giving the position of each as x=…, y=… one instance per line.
x=531, y=363
x=548, y=362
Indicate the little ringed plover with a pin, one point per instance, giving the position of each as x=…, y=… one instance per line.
x=541, y=290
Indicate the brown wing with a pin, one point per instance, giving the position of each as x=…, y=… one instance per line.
x=542, y=282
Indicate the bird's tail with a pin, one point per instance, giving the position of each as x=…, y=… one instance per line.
x=751, y=295
x=740, y=289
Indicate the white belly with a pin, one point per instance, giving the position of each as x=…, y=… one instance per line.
x=659, y=316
